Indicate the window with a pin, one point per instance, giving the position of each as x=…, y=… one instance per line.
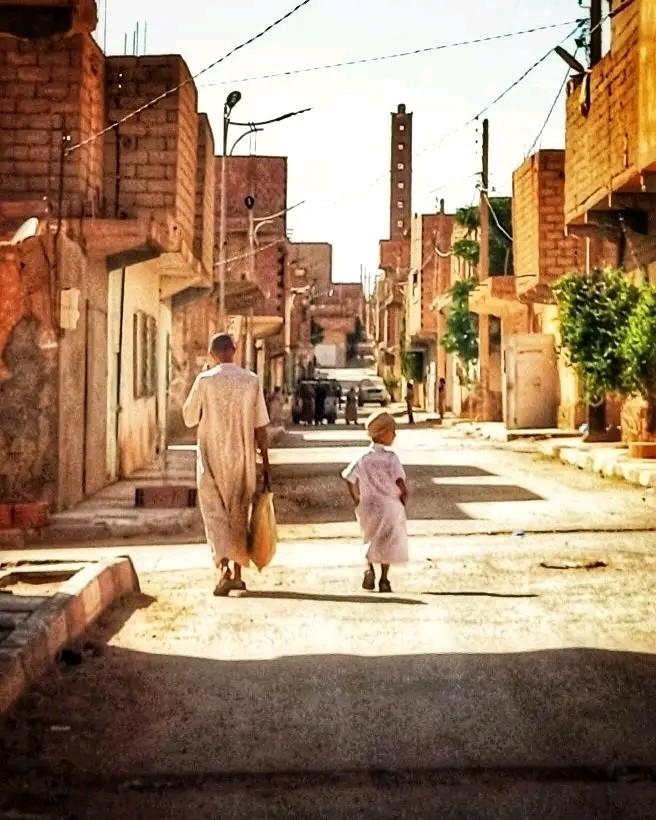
x=400, y=166
x=399, y=205
x=400, y=185
x=401, y=127
x=401, y=146
x=144, y=353
x=399, y=223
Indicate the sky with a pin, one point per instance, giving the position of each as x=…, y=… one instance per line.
x=339, y=153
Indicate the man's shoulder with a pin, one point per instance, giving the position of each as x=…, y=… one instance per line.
x=234, y=373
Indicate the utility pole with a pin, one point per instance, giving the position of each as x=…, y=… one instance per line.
x=595, y=32
x=484, y=216
x=483, y=273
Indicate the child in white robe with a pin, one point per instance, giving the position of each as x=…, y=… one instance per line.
x=377, y=484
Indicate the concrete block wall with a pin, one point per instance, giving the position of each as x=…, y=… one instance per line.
x=49, y=88
x=315, y=258
x=543, y=251
x=395, y=253
x=602, y=148
x=264, y=178
x=157, y=148
x=205, y=195
x=436, y=273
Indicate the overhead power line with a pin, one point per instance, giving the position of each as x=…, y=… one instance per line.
x=470, y=121
x=384, y=57
x=561, y=88
x=191, y=79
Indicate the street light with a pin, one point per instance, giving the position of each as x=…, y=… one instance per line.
x=231, y=101
x=254, y=225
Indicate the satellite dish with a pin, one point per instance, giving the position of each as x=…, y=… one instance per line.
x=27, y=230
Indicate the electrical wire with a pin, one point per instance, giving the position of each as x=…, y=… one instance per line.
x=383, y=57
x=464, y=125
x=249, y=253
x=550, y=112
x=495, y=217
x=189, y=80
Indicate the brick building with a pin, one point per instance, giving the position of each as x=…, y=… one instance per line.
x=254, y=298
x=610, y=156
x=118, y=224
x=543, y=252
x=430, y=277
x=336, y=313
x=395, y=251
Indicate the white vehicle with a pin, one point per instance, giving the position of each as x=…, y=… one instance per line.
x=373, y=391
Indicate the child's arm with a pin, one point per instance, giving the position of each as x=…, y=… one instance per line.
x=353, y=492
x=403, y=490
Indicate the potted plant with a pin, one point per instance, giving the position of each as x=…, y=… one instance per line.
x=594, y=311
x=639, y=352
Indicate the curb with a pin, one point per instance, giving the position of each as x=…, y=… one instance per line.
x=608, y=463
x=31, y=648
x=187, y=523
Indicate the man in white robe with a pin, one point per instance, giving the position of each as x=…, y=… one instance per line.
x=227, y=404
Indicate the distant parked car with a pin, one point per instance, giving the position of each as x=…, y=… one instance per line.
x=373, y=391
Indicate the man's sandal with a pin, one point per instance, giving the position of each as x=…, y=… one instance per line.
x=227, y=585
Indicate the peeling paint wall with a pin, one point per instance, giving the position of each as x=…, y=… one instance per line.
x=28, y=377
x=53, y=382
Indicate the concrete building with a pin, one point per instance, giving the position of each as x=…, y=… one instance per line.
x=395, y=251
x=110, y=239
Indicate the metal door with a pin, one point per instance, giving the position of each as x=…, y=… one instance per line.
x=530, y=382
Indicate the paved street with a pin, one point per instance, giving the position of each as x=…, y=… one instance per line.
x=507, y=675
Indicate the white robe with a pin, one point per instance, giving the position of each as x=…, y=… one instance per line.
x=380, y=513
x=228, y=405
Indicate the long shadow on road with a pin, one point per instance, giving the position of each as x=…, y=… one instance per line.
x=315, y=493
x=471, y=594
x=142, y=729
x=337, y=599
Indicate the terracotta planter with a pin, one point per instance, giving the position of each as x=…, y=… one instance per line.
x=642, y=449
x=31, y=516
x=6, y=516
